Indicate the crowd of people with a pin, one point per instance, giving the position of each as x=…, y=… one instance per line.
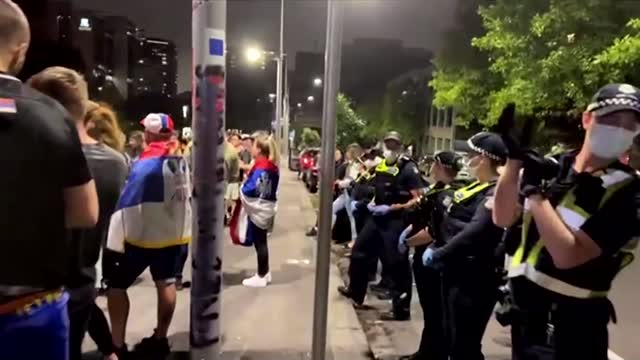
x=543, y=236
x=100, y=209
x=539, y=239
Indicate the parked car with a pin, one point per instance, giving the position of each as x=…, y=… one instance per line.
x=307, y=160
x=294, y=160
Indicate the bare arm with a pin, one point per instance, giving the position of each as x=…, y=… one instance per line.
x=81, y=206
x=567, y=248
x=409, y=204
x=505, y=208
x=421, y=238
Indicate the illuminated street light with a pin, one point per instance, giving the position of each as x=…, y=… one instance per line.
x=299, y=105
x=317, y=82
x=310, y=99
x=254, y=54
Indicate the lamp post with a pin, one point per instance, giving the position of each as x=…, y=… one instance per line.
x=333, y=51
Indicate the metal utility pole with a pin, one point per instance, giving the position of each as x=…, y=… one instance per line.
x=209, y=33
x=285, y=116
x=333, y=52
x=280, y=66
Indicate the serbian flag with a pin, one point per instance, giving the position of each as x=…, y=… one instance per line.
x=154, y=209
x=257, y=204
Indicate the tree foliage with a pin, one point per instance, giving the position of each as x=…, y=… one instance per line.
x=349, y=125
x=403, y=108
x=547, y=56
x=309, y=138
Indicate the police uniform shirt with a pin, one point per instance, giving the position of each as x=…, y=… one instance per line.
x=409, y=178
x=611, y=227
x=468, y=229
x=41, y=156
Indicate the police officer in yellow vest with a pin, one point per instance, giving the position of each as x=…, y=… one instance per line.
x=423, y=232
x=578, y=233
x=467, y=258
x=397, y=182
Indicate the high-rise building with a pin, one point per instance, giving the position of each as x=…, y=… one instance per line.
x=305, y=94
x=128, y=41
x=156, y=70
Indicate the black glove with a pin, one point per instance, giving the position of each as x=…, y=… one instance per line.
x=516, y=143
x=536, y=174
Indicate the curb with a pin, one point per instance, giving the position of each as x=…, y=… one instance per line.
x=379, y=341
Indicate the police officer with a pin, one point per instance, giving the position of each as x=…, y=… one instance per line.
x=578, y=232
x=396, y=183
x=431, y=208
x=467, y=258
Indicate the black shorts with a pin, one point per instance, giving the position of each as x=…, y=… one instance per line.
x=165, y=264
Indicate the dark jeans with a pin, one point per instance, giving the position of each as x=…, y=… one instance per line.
x=80, y=308
x=259, y=237
x=379, y=238
x=471, y=295
x=579, y=326
x=433, y=344
x=99, y=331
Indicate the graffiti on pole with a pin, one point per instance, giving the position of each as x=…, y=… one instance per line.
x=209, y=142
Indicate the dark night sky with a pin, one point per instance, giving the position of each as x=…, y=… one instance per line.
x=418, y=23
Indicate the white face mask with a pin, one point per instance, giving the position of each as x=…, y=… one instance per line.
x=609, y=142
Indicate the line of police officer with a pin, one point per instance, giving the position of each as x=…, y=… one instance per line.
x=457, y=236
x=572, y=226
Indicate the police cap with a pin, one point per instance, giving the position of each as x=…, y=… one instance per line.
x=449, y=160
x=489, y=145
x=616, y=97
x=393, y=135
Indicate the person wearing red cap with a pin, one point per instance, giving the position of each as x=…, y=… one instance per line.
x=151, y=228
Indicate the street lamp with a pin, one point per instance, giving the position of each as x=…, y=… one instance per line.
x=299, y=105
x=254, y=54
x=317, y=82
x=310, y=99
x=185, y=111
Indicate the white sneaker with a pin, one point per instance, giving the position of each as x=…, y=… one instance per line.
x=268, y=277
x=256, y=281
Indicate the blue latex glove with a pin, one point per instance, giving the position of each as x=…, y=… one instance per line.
x=380, y=210
x=371, y=207
x=354, y=205
x=429, y=259
x=402, y=240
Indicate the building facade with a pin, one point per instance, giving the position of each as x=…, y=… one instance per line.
x=441, y=132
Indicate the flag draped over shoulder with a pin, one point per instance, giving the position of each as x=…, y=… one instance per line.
x=257, y=203
x=154, y=210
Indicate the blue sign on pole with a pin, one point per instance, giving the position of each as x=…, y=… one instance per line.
x=216, y=47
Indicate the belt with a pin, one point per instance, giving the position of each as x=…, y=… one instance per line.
x=26, y=303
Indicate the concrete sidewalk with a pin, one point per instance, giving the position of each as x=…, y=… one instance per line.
x=270, y=323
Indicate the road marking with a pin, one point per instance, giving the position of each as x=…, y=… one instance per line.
x=613, y=356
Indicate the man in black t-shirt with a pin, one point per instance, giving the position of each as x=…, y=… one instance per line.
x=46, y=188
